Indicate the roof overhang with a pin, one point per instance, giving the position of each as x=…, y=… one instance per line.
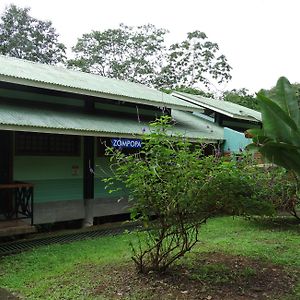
x=35, y=119
x=83, y=92
x=215, y=108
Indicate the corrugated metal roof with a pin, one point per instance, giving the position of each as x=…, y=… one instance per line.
x=34, y=119
x=192, y=126
x=39, y=75
x=230, y=109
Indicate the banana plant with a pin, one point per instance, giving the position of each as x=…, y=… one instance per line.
x=279, y=138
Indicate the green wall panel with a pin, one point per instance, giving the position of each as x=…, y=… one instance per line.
x=46, y=167
x=234, y=140
x=57, y=190
x=12, y=94
x=103, y=170
x=54, y=178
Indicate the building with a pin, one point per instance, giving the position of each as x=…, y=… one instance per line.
x=53, y=123
x=234, y=118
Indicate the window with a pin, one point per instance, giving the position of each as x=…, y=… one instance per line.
x=28, y=143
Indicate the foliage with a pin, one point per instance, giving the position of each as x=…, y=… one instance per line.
x=241, y=97
x=274, y=186
x=23, y=36
x=271, y=93
x=194, y=61
x=232, y=188
x=173, y=181
x=139, y=54
x=164, y=180
x=188, y=90
x=127, y=53
x=279, y=139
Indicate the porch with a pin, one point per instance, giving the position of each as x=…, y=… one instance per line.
x=15, y=227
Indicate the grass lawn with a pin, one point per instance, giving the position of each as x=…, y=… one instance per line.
x=236, y=259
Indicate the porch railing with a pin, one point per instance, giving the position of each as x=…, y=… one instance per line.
x=20, y=201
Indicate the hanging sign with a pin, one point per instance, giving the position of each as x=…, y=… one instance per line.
x=126, y=143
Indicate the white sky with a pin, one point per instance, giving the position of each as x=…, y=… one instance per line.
x=260, y=38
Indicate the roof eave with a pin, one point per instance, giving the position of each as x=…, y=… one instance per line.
x=61, y=88
x=234, y=116
x=68, y=131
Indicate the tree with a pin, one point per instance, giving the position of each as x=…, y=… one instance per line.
x=25, y=37
x=188, y=90
x=163, y=180
x=194, y=61
x=139, y=54
x=127, y=53
x=171, y=180
x=241, y=97
x=279, y=139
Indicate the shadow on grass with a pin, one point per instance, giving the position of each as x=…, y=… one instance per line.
x=280, y=223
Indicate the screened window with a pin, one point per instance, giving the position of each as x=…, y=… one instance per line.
x=28, y=143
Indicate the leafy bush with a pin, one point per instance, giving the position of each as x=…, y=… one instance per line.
x=232, y=188
x=276, y=186
x=164, y=180
x=174, y=189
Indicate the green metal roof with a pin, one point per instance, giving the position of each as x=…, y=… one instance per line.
x=194, y=127
x=39, y=75
x=230, y=109
x=34, y=119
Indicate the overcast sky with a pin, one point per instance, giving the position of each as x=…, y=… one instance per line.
x=260, y=38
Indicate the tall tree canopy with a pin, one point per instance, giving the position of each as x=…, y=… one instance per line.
x=23, y=36
x=140, y=54
x=242, y=97
x=127, y=53
x=193, y=61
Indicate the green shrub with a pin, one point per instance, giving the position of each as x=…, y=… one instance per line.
x=171, y=180
x=164, y=180
x=276, y=186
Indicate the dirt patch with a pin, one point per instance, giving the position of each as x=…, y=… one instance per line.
x=212, y=276
x=6, y=295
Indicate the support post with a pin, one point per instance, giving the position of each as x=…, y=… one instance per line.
x=88, y=178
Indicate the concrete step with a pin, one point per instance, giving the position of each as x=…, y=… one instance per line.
x=15, y=227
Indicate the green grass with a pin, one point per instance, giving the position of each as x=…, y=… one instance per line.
x=66, y=271
x=220, y=273
x=276, y=241
x=32, y=273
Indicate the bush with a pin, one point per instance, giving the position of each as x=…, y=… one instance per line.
x=232, y=189
x=276, y=186
x=174, y=189
x=165, y=179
